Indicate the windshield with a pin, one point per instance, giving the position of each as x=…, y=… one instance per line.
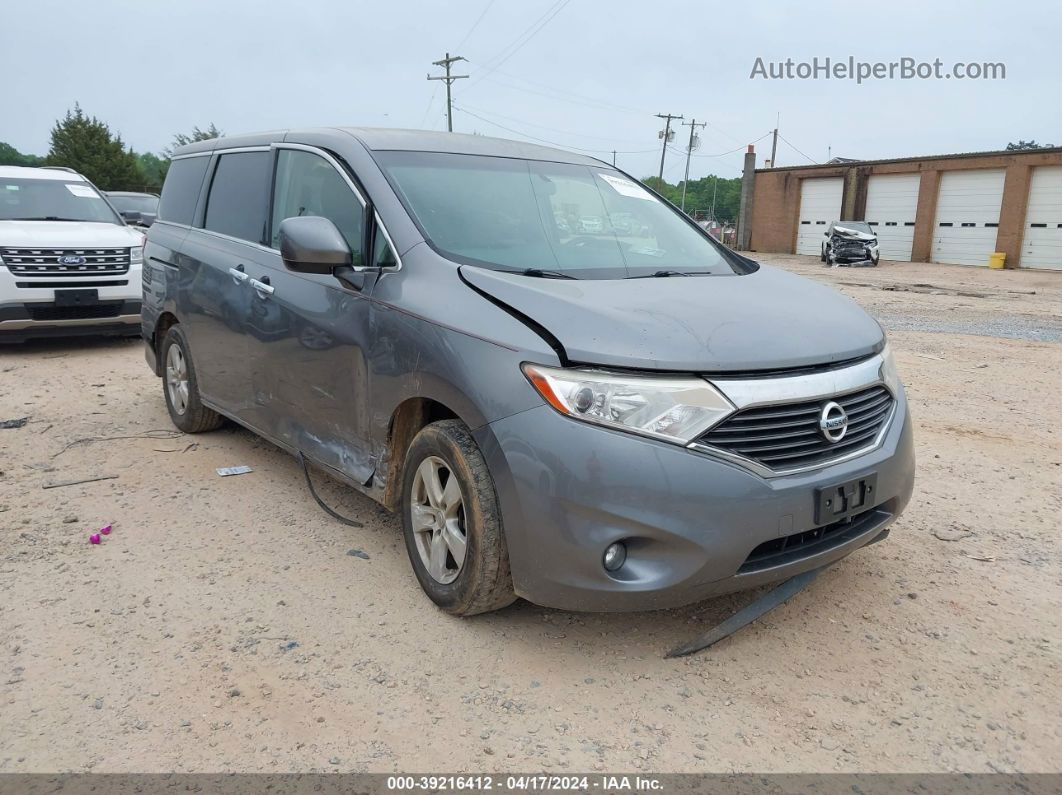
x=586, y=222
x=137, y=204
x=855, y=226
x=52, y=200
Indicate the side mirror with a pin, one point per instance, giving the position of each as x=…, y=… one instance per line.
x=312, y=244
x=147, y=219
x=130, y=216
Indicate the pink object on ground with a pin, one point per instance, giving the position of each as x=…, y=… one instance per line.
x=94, y=538
x=106, y=530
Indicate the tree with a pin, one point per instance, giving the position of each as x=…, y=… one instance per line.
x=1023, y=145
x=87, y=145
x=180, y=139
x=700, y=193
x=153, y=169
x=10, y=156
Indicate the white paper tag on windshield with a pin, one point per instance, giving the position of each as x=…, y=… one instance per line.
x=83, y=191
x=625, y=187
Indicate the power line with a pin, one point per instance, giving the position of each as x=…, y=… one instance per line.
x=464, y=105
x=795, y=149
x=545, y=140
x=518, y=43
x=475, y=24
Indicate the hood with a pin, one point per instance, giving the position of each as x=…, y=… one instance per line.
x=852, y=234
x=67, y=234
x=764, y=320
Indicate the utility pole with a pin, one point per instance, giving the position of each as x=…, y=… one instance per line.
x=666, y=134
x=693, y=124
x=613, y=158
x=449, y=78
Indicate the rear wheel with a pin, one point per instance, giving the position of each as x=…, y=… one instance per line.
x=187, y=411
x=452, y=526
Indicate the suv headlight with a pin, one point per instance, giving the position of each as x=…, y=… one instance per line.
x=136, y=255
x=889, y=374
x=673, y=409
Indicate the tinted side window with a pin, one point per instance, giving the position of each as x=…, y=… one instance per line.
x=181, y=189
x=239, y=196
x=307, y=184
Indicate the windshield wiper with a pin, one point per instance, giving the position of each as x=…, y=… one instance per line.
x=664, y=274
x=45, y=218
x=542, y=274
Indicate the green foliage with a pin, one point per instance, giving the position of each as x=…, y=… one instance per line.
x=87, y=145
x=699, y=194
x=1023, y=145
x=10, y=156
x=180, y=139
x=153, y=170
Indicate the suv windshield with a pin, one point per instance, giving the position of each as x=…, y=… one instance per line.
x=858, y=226
x=585, y=222
x=24, y=199
x=140, y=203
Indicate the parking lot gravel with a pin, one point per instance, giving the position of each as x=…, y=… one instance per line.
x=227, y=624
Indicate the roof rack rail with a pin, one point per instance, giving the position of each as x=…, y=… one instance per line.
x=62, y=168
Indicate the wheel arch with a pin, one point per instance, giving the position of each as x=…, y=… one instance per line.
x=407, y=419
x=162, y=325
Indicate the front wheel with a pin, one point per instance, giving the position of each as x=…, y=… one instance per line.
x=451, y=522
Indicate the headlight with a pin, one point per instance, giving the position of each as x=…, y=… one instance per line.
x=136, y=255
x=889, y=374
x=674, y=409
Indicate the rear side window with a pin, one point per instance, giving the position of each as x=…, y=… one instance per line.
x=239, y=195
x=181, y=189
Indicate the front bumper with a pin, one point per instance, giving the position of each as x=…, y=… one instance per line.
x=19, y=322
x=567, y=490
x=28, y=309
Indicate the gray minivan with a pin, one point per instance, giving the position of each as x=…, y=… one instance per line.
x=620, y=415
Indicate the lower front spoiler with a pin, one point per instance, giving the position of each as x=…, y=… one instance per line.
x=17, y=324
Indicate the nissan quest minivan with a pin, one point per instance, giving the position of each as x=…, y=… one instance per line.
x=618, y=415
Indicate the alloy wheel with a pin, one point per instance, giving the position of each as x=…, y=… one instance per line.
x=177, y=379
x=437, y=511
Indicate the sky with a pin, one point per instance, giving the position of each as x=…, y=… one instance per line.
x=586, y=75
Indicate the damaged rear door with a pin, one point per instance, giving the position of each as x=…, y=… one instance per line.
x=308, y=332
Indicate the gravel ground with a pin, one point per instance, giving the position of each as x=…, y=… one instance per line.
x=227, y=624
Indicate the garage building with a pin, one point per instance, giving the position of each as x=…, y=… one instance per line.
x=948, y=208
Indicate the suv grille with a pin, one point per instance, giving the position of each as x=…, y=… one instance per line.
x=45, y=262
x=787, y=436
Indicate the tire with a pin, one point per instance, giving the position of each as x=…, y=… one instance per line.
x=822, y=253
x=434, y=526
x=187, y=411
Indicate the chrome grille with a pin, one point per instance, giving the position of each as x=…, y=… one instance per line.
x=787, y=436
x=45, y=262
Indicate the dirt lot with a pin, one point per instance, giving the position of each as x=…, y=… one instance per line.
x=225, y=626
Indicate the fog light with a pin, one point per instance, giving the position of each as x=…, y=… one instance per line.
x=615, y=556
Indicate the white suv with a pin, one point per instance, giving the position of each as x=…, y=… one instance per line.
x=68, y=263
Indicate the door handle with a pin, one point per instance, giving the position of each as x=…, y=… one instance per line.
x=263, y=287
x=237, y=274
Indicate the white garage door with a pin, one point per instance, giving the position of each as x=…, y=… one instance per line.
x=1042, y=245
x=892, y=200
x=820, y=203
x=967, y=216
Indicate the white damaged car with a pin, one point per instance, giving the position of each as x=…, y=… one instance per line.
x=69, y=265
